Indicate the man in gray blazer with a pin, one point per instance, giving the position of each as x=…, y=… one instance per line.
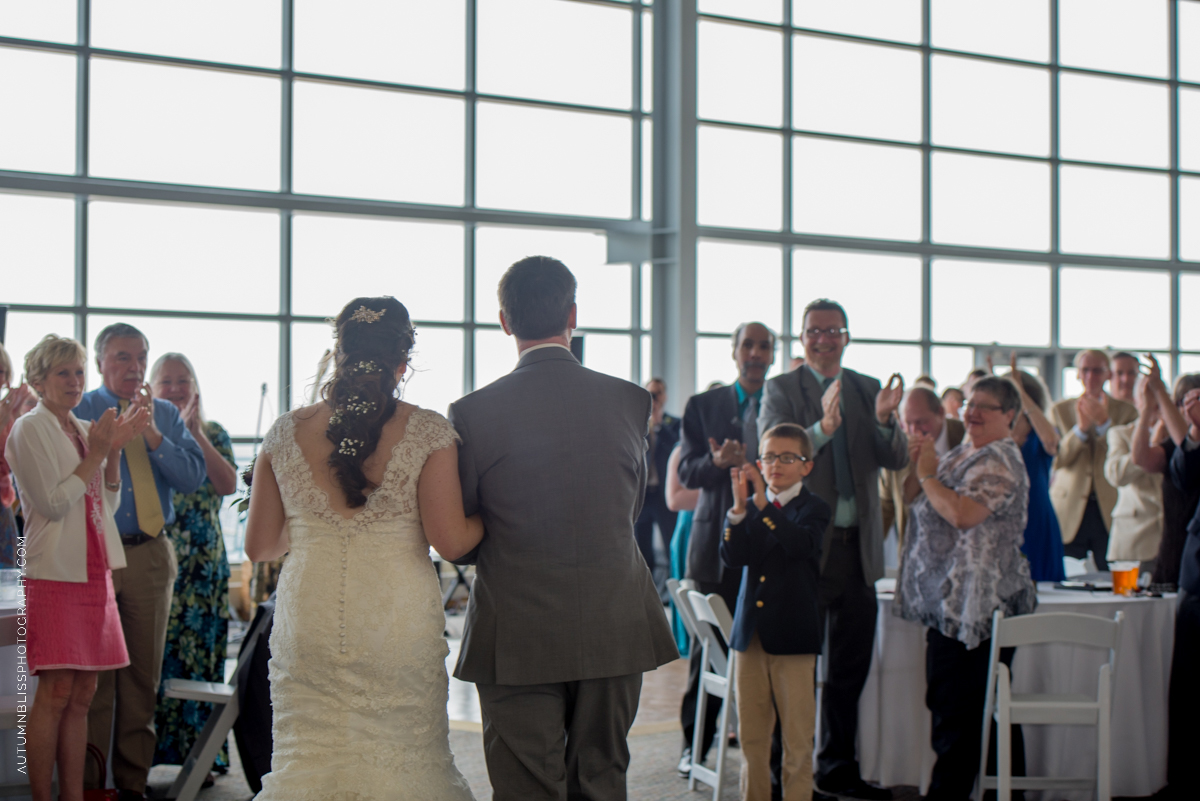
x=563, y=617
x=852, y=423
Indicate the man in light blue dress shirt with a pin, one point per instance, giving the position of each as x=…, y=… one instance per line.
x=144, y=587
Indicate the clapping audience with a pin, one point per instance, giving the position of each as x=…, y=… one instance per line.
x=116, y=605
x=163, y=460
x=198, y=626
x=1037, y=439
x=11, y=407
x=1082, y=496
x=70, y=483
x=962, y=561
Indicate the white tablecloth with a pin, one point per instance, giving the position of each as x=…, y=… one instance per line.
x=894, y=725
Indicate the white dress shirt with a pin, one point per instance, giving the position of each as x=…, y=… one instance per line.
x=783, y=499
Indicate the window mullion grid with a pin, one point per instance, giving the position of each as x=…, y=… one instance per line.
x=1054, y=376
x=286, y=117
x=469, y=228
x=1173, y=144
x=926, y=184
x=83, y=70
x=635, y=119
x=786, y=324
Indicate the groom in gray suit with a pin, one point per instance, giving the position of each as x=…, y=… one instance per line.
x=563, y=617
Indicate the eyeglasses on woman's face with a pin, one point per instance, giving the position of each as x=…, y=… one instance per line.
x=785, y=458
x=983, y=407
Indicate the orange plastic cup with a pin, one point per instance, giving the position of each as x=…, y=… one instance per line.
x=1124, y=577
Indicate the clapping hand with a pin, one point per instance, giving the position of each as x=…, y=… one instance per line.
x=11, y=405
x=191, y=415
x=927, y=458
x=1146, y=401
x=888, y=399
x=1091, y=412
x=831, y=405
x=729, y=453
x=740, y=490
x=144, y=398
x=102, y=432
x=132, y=422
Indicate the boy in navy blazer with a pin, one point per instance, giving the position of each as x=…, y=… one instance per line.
x=776, y=540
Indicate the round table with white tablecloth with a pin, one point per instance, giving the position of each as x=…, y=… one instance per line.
x=894, y=724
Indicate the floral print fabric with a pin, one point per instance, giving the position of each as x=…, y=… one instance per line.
x=199, y=622
x=954, y=580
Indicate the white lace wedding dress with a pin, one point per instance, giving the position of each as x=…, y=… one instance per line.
x=358, y=674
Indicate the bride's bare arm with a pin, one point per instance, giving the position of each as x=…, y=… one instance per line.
x=448, y=529
x=266, y=529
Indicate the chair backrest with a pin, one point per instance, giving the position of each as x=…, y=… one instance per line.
x=1057, y=627
x=711, y=609
x=8, y=630
x=683, y=607
x=709, y=630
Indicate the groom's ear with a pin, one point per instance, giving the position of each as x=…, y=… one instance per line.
x=571, y=318
x=504, y=324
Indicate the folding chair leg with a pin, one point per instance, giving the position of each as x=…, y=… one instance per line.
x=724, y=735
x=698, y=726
x=1004, y=756
x=204, y=752
x=1104, y=739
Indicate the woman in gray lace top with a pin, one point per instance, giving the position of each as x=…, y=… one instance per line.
x=962, y=561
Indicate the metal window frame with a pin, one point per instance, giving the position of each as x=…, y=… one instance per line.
x=672, y=228
x=1054, y=356
x=83, y=187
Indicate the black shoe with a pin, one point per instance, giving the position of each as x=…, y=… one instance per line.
x=819, y=796
x=130, y=795
x=685, y=763
x=857, y=789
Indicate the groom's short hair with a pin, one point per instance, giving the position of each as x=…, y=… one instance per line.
x=536, y=295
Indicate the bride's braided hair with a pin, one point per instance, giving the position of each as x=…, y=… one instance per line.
x=374, y=338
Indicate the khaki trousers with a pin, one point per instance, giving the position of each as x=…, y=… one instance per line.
x=143, y=589
x=766, y=683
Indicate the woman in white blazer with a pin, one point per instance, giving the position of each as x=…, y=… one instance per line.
x=68, y=476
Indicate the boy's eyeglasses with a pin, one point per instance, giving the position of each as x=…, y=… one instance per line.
x=786, y=458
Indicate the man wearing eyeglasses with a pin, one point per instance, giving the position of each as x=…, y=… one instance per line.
x=720, y=431
x=1082, y=497
x=852, y=422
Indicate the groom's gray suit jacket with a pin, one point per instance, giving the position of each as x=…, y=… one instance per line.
x=553, y=456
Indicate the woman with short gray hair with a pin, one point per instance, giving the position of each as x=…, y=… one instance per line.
x=198, y=625
x=962, y=561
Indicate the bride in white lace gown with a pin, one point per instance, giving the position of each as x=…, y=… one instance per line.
x=358, y=675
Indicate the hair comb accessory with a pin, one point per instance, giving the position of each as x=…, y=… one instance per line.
x=349, y=446
x=366, y=367
x=364, y=315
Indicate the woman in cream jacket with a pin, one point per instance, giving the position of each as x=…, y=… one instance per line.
x=68, y=476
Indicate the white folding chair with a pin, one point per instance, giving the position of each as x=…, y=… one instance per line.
x=716, y=679
x=1069, y=709
x=224, y=698
x=678, y=590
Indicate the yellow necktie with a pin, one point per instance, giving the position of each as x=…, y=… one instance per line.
x=145, y=491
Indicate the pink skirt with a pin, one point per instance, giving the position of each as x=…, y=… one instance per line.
x=74, y=626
